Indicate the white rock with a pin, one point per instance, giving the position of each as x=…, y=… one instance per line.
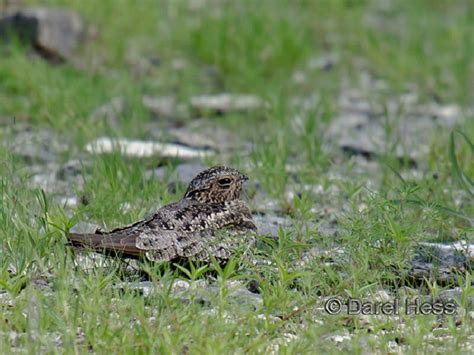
x=144, y=149
x=223, y=103
x=340, y=338
x=180, y=285
x=70, y=201
x=461, y=246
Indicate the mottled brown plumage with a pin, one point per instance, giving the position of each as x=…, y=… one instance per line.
x=208, y=221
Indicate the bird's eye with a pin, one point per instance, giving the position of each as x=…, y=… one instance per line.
x=224, y=182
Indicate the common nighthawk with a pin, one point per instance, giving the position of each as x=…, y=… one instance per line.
x=208, y=221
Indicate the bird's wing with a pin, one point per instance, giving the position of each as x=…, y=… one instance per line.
x=121, y=241
x=187, y=228
x=124, y=246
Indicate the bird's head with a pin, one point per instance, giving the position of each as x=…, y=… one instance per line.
x=215, y=185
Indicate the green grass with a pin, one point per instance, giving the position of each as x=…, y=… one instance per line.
x=251, y=47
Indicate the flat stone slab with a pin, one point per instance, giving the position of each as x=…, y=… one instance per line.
x=226, y=103
x=34, y=145
x=461, y=247
x=444, y=263
x=401, y=127
x=164, y=107
x=145, y=149
x=269, y=225
x=55, y=33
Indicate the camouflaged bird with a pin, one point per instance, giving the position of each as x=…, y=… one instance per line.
x=207, y=222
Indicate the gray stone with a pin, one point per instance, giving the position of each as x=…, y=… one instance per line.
x=263, y=203
x=199, y=133
x=205, y=135
x=226, y=103
x=398, y=127
x=36, y=145
x=358, y=134
x=54, y=178
x=84, y=227
x=270, y=225
x=163, y=107
x=243, y=297
x=450, y=249
x=55, y=33
x=237, y=294
x=456, y=294
x=441, y=263
x=111, y=112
